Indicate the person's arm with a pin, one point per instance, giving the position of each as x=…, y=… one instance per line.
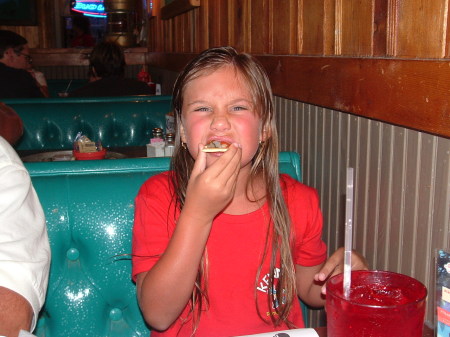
x=311, y=280
x=15, y=313
x=24, y=246
x=164, y=291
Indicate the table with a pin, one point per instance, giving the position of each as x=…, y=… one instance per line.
x=128, y=151
x=427, y=332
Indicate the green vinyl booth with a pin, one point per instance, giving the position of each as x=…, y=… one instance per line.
x=51, y=124
x=89, y=208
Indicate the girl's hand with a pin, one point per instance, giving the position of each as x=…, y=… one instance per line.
x=211, y=189
x=335, y=265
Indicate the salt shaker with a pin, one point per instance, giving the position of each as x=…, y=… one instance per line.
x=170, y=145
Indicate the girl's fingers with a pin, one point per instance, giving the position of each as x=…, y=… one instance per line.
x=200, y=162
x=220, y=175
x=233, y=165
x=335, y=264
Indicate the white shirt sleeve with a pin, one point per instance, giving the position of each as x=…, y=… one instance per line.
x=24, y=245
x=40, y=78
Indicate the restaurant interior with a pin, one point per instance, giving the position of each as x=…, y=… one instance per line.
x=362, y=84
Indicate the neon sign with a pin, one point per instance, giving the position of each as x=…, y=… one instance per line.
x=93, y=8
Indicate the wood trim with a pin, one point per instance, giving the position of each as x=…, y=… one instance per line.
x=178, y=7
x=170, y=61
x=409, y=93
x=80, y=57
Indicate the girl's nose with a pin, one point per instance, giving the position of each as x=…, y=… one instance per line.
x=220, y=122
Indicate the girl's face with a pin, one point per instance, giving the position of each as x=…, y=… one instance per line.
x=219, y=106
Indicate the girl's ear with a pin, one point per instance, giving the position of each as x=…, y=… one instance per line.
x=265, y=134
x=182, y=134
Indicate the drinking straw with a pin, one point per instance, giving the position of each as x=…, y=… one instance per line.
x=348, y=232
x=68, y=86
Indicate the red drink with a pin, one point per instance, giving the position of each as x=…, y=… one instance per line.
x=380, y=304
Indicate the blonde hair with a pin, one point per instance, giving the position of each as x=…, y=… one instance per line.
x=264, y=164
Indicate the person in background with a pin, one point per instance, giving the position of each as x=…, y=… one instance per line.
x=81, y=28
x=107, y=74
x=24, y=247
x=223, y=245
x=15, y=59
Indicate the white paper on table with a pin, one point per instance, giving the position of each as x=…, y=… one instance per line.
x=288, y=333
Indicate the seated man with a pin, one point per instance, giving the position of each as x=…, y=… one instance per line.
x=24, y=247
x=15, y=80
x=107, y=74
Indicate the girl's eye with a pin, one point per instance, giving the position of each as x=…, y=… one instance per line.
x=239, y=108
x=201, y=109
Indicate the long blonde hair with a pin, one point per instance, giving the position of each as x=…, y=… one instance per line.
x=265, y=164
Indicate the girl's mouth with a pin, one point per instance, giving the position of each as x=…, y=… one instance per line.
x=216, y=146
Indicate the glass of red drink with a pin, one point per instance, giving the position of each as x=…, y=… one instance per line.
x=380, y=304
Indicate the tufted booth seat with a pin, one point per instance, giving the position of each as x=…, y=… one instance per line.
x=53, y=123
x=89, y=207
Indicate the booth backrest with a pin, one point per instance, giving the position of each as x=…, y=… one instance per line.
x=89, y=207
x=53, y=123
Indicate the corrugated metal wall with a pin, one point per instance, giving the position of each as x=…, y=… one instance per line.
x=402, y=186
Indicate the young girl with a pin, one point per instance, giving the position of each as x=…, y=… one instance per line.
x=223, y=244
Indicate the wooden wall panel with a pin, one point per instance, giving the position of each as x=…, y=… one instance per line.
x=41, y=35
x=447, y=35
x=217, y=23
x=355, y=19
x=380, y=28
x=410, y=93
x=239, y=23
x=261, y=25
x=152, y=37
x=411, y=29
x=188, y=38
x=311, y=27
x=329, y=27
x=179, y=29
x=421, y=28
x=200, y=24
x=285, y=27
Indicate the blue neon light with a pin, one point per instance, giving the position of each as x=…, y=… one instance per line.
x=90, y=7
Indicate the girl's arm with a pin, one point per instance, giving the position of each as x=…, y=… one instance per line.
x=311, y=280
x=164, y=291
x=308, y=289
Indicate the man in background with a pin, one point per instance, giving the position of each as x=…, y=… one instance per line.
x=15, y=58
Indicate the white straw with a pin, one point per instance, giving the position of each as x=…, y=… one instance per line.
x=68, y=86
x=348, y=232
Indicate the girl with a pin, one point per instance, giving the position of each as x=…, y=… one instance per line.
x=223, y=244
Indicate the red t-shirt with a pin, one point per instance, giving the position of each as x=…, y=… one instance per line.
x=234, y=247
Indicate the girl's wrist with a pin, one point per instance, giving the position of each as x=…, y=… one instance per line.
x=195, y=217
